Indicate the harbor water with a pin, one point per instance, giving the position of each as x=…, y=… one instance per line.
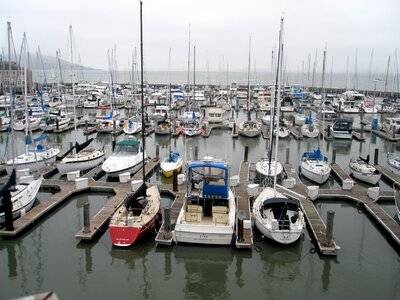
x=47, y=257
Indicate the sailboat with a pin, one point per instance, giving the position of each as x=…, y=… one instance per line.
x=309, y=128
x=17, y=198
x=80, y=158
x=192, y=117
x=362, y=170
x=278, y=217
x=36, y=157
x=173, y=162
x=138, y=216
x=313, y=164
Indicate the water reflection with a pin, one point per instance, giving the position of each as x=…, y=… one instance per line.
x=205, y=278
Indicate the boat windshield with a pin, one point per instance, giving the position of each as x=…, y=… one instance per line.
x=121, y=150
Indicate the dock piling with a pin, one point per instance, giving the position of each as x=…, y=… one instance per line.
x=287, y=155
x=246, y=153
x=240, y=226
x=157, y=151
x=376, y=155
x=167, y=222
x=329, y=227
x=86, y=217
x=175, y=181
x=333, y=156
x=196, y=153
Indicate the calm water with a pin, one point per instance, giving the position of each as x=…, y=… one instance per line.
x=49, y=258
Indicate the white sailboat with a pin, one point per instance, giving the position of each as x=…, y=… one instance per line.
x=79, y=159
x=313, y=164
x=278, y=217
x=309, y=128
x=17, y=196
x=36, y=157
x=362, y=170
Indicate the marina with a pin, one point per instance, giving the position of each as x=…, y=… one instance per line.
x=203, y=183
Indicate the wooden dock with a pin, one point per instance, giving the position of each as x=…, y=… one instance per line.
x=150, y=166
x=65, y=190
x=243, y=208
x=294, y=130
x=121, y=190
x=265, y=131
x=386, y=136
x=164, y=237
x=339, y=172
x=388, y=175
x=313, y=218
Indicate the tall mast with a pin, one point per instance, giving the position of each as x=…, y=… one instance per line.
x=142, y=94
x=248, y=82
x=26, y=92
x=278, y=78
x=188, y=69
x=11, y=93
x=72, y=79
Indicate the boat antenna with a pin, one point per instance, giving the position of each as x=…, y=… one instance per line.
x=142, y=94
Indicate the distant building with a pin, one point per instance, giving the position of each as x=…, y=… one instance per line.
x=16, y=78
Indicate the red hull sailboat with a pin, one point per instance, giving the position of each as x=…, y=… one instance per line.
x=136, y=218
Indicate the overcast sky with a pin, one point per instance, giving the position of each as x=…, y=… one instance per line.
x=219, y=29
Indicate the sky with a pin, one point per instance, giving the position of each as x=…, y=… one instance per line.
x=219, y=29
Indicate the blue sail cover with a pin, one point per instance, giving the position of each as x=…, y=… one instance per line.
x=28, y=140
x=314, y=155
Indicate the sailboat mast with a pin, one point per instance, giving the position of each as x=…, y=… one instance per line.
x=142, y=93
x=72, y=79
x=278, y=78
x=248, y=83
x=169, y=103
x=26, y=92
x=11, y=94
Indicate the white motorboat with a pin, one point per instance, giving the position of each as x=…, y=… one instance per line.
x=315, y=167
x=341, y=129
x=209, y=209
x=363, y=171
x=126, y=157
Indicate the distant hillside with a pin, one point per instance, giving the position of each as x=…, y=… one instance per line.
x=50, y=62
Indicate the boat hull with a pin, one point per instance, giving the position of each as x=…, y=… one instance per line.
x=84, y=164
x=125, y=236
x=24, y=200
x=318, y=176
